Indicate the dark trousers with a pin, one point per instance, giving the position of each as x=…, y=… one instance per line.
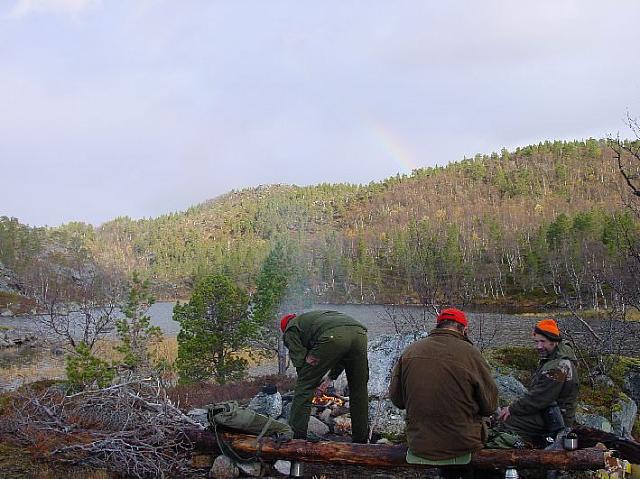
x=345, y=345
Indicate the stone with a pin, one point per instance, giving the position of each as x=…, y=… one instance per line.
x=283, y=467
x=509, y=388
x=325, y=416
x=632, y=382
x=223, y=468
x=317, y=427
x=342, y=425
x=385, y=418
x=286, y=410
x=199, y=415
x=253, y=469
x=594, y=421
x=383, y=354
x=623, y=416
x=267, y=404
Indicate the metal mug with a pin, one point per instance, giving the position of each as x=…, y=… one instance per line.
x=570, y=442
x=296, y=470
x=511, y=473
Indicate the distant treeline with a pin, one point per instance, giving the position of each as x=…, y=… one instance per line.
x=542, y=223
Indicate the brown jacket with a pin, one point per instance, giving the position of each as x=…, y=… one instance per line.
x=446, y=387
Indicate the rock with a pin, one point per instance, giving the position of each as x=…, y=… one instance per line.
x=199, y=415
x=623, y=416
x=267, y=404
x=223, y=468
x=509, y=388
x=383, y=354
x=253, y=469
x=317, y=427
x=342, y=425
x=594, y=421
x=632, y=382
x=286, y=410
x=603, y=380
x=385, y=418
x=283, y=467
x=325, y=416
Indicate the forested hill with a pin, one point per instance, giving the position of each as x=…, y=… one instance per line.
x=527, y=224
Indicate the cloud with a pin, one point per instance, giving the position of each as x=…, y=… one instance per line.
x=23, y=8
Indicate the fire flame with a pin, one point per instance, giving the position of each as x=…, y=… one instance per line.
x=326, y=400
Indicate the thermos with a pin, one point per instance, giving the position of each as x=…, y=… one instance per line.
x=296, y=469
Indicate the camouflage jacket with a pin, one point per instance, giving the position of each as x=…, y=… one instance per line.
x=556, y=379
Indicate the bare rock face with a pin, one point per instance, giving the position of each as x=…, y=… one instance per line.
x=632, y=382
x=594, y=421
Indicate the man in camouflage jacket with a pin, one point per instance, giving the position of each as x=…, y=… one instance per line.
x=555, y=381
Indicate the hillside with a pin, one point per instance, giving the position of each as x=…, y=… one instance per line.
x=490, y=228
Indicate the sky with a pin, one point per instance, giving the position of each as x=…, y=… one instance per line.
x=141, y=108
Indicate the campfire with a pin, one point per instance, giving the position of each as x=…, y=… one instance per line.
x=328, y=400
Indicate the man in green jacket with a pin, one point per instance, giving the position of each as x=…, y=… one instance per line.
x=555, y=382
x=446, y=387
x=321, y=345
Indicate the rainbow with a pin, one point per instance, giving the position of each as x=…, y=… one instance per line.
x=388, y=141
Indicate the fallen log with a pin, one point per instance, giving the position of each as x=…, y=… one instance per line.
x=627, y=448
x=383, y=455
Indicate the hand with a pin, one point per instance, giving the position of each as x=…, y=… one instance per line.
x=312, y=360
x=503, y=413
x=324, y=385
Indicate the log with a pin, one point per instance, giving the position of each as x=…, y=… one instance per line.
x=389, y=456
x=627, y=448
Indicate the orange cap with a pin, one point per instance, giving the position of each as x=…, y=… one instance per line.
x=549, y=329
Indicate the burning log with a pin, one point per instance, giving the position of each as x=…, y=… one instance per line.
x=382, y=455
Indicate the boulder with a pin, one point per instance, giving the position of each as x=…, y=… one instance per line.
x=623, y=416
x=594, y=421
x=383, y=354
x=267, y=404
x=509, y=388
x=199, y=415
x=632, y=382
x=385, y=418
x=252, y=469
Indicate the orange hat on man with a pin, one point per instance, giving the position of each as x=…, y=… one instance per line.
x=549, y=329
x=285, y=320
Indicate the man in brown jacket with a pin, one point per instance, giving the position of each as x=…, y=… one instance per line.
x=446, y=387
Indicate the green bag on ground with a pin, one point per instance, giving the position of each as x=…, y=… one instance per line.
x=503, y=440
x=230, y=415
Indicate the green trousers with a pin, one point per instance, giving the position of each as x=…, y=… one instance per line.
x=344, y=346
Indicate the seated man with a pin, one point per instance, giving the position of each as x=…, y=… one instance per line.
x=555, y=382
x=446, y=387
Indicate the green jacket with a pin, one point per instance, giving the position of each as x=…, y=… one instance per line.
x=556, y=379
x=446, y=387
x=303, y=332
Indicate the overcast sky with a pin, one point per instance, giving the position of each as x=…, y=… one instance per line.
x=144, y=107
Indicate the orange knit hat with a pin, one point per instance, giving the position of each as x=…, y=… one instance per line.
x=549, y=329
x=285, y=320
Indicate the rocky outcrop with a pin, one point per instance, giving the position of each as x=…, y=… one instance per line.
x=14, y=337
x=9, y=282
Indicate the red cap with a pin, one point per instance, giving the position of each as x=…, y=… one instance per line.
x=285, y=320
x=452, y=314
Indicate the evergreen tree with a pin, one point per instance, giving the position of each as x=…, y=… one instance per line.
x=215, y=329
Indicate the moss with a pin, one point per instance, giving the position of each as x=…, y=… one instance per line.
x=519, y=362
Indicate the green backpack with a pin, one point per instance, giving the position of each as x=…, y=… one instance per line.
x=230, y=415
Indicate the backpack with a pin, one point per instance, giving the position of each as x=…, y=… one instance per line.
x=231, y=416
